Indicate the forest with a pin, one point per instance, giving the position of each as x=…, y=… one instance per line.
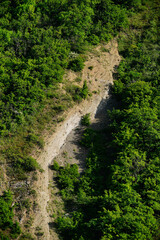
x=118, y=194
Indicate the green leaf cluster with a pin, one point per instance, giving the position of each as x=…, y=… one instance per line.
x=117, y=195
x=8, y=229
x=36, y=38
x=86, y=120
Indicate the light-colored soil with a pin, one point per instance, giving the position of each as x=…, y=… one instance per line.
x=63, y=143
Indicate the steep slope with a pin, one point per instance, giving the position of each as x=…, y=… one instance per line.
x=103, y=61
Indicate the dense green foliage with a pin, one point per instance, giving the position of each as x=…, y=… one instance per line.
x=7, y=227
x=117, y=196
x=36, y=38
x=38, y=41
x=86, y=120
x=76, y=64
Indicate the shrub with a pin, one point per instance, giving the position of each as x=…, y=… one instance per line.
x=90, y=67
x=118, y=89
x=30, y=164
x=78, y=93
x=67, y=179
x=76, y=64
x=15, y=230
x=55, y=166
x=32, y=138
x=87, y=138
x=2, y=237
x=27, y=164
x=86, y=121
x=84, y=90
x=75, y=92
x=7, y=226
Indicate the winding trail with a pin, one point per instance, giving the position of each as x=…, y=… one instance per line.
x=99, y=78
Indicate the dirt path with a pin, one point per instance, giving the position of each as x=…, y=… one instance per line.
x=103, y=60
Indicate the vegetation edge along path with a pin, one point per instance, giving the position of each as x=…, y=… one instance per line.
x=57, y=139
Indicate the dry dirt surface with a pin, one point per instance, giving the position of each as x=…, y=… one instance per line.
x=63, y=143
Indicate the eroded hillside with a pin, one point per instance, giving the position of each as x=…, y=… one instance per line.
x=100, y=65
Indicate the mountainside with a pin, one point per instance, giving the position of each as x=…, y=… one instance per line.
x=55, y=68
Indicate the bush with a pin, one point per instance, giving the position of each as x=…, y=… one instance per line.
x=32, y=138
x=67, y=179
x=7, y=226
x=27, y=164
x=30, y=164
x=2, y=237
x=88, y=137
x=55, y=166
x=90, y=67
x=84, y=90
x=86, y=121
x=118, y=89
x=15, y=230
x=76, y=64
x=78, y=93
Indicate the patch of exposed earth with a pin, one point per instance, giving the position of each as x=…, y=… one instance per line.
x=63, y=144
